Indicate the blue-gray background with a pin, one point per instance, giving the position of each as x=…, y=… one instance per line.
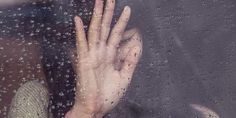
x=189, y=58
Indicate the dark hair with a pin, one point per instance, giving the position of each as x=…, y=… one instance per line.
x=59, y=35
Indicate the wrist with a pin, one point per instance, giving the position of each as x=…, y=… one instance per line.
x=79, y=112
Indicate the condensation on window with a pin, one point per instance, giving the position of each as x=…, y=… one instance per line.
x=187, y=69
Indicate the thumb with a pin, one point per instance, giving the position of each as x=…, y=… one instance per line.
x=130, y=63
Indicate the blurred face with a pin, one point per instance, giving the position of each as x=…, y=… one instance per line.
x=20, y=59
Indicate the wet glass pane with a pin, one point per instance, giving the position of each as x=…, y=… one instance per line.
x=187, y=68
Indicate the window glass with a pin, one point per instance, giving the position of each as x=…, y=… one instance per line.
x=187, y=68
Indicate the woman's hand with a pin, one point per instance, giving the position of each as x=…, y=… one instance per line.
x=104, y=65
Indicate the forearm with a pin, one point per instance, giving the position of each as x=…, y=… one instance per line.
x=79, y=112
x=82, y=115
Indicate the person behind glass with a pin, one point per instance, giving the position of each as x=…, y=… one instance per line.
x=105, y=62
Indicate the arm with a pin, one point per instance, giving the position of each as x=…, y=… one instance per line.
x=104, y=66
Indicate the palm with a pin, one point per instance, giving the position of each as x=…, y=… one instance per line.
x=106, y=83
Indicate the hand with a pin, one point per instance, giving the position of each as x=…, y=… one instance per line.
x=104, y=65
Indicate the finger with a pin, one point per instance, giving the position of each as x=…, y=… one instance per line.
x=107, y=19
x=118, y=30
x=95, y=25
x=133, y=38
x=81, y=42
x=132, y=33
x=130, y=62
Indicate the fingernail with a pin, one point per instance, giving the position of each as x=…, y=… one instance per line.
x=78, y=19
x=127, y=8
x=99, y=2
